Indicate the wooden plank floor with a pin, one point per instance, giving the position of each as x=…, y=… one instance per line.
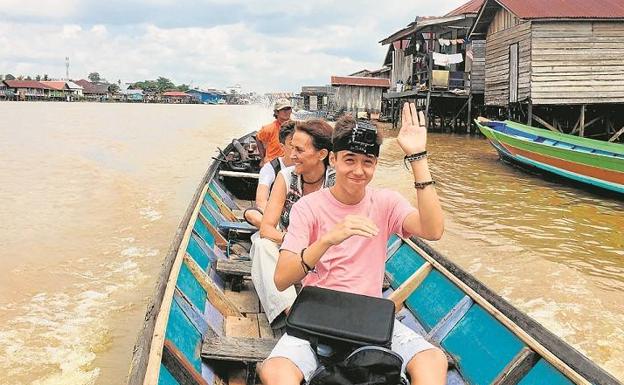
x=253, y=324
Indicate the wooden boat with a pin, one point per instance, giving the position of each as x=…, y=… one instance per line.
x=588, y=161
x=205, y=325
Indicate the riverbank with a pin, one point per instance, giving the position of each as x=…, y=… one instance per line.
x=98, y=190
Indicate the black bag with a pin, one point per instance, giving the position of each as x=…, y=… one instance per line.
x=343, y=321
x=370, y=365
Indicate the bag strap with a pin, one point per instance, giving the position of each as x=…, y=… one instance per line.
x=277, y=166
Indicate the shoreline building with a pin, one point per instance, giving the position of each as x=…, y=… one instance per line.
x=559, y=64
x=433, y=62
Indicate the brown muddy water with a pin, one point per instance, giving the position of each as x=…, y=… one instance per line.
x=92, y=194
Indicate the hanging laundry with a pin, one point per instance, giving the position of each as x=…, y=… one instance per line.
x=441, y=59
x=455, y=58
x=444, y=42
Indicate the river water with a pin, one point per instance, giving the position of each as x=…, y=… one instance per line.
x=92, y=194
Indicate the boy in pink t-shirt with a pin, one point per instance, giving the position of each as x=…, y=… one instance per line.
x=337, y=240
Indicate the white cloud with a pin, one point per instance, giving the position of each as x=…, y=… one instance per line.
x=52, y=9
x=299, y=46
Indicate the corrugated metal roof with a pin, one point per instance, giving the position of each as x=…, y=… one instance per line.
x=470, y=7
x=58, y=85
x=92, y=88
x=175, y=93
x=26, y=84
x=564, y=9
x=359, y=81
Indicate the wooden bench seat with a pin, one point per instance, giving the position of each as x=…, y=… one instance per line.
x=237, y=349
x=234, y=267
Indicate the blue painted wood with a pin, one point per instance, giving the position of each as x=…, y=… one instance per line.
x=165, y=377
x=226, y=197
x=206, y=249
x=214, y=319
x=184, y=335
x=481, y=345
x=450, y=319
x=454, y=378
x=433, y=299
x=195, y=251
x=544, y=373
x=192, y=313
x=208, y=373
x=188, y=285
x=393, y=238
x=208, y=215
x=393, y=245
x=408, y=319
x=211, y=202
x=402, y=265
x=216, y=277
x=205, y=235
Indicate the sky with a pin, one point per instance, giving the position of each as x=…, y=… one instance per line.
x=261, y=45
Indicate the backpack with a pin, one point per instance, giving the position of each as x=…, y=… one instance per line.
x=368, y=365
x=277, y=166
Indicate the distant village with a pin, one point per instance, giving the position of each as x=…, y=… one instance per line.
x=95, y=89
x=547, y=64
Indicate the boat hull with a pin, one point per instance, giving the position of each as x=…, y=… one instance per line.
x=190, y=316
x=571, y=159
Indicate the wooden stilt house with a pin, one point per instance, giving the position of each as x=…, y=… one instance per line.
x=558, y=63
x=433, y=62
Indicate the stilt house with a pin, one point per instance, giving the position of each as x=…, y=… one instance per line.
x=556, y=63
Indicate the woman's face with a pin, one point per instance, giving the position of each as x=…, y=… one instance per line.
x=305, y=157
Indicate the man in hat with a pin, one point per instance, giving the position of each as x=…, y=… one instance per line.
x=268, y=136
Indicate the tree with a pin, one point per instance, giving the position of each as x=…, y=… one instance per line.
x=45, y=77
x=28, y=77
x=183, y=87
x=164, y=84
x=94, y=77
x=38, y=77
x=113, y=88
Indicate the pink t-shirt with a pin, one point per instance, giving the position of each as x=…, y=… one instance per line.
x=356, y=265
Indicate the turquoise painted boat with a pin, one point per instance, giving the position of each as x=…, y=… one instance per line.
x=592, y=162
x=205, y=325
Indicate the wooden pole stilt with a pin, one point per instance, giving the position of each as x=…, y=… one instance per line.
x=582, y=122
x=530, y=113
x=469, y=114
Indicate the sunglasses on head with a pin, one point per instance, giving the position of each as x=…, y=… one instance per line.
x=286, y=109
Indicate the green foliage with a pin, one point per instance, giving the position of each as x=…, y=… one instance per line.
x=183, y=87
x=113, y=88
x=94, y=77
x=161, y=84
x=164, y=84
x=38, y=77
x=45, y=77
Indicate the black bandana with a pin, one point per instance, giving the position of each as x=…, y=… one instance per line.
x=363, y=140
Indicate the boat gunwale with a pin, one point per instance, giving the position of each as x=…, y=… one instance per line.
x=563, y=351
x=572, y=358
x=143, y=345
x=614, y=148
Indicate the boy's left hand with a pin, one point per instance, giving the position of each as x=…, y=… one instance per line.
x=413, y=134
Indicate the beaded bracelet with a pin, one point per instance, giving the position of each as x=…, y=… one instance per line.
x=305, y=266
x=422, y=185
x=414, y=157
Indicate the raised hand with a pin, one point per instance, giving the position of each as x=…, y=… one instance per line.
x=350, y=226
x=413, y=134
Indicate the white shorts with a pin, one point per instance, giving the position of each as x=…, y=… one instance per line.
x=406, y=342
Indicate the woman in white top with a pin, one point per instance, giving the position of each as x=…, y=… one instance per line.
x=311, y=144
x=268, y=174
